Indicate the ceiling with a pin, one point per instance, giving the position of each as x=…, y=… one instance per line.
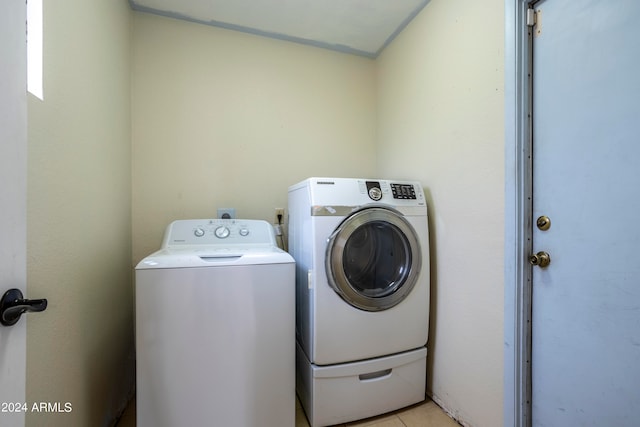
x=360, y=27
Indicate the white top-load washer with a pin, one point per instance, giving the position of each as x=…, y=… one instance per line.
x=215, y=319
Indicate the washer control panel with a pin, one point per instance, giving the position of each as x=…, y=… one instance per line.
x=223, y=232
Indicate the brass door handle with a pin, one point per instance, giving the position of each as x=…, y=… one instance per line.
x=541, y=259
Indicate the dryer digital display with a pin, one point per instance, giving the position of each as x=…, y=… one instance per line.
x=403, y=191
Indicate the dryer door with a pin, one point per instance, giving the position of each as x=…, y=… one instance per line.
x=373, y=259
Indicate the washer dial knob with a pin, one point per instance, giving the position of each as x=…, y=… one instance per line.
x=222, y=232
x=244, y=232
x=198, y=232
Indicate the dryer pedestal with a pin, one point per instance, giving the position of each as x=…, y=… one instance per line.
x=346, y=392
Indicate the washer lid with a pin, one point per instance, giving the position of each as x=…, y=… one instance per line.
x=190, y=257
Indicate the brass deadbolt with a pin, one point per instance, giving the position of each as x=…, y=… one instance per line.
x=543, y=222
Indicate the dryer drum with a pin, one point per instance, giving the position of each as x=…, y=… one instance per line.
x=373, y=259
x=376, y=259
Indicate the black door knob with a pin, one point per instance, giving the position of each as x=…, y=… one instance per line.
x=13, y=305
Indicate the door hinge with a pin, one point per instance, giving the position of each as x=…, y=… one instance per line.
x=534, y=20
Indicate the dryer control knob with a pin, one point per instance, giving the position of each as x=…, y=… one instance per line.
x=244, y=232
x=222, y=232
x=198, y=232
x=375, y=193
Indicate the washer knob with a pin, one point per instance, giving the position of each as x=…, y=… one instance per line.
x=244, y=232
x=198, y=232
x=222, y=232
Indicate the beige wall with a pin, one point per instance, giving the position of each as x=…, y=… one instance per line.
x=440, y=120
x=227, y=119
x=79, y=214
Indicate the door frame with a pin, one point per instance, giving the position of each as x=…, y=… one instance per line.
x=518, y=211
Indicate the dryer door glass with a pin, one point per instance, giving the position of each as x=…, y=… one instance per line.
x=376, y=259
x=373, y=259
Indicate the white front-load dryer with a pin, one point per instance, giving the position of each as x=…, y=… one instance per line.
x=362, y=295
x=215, y=327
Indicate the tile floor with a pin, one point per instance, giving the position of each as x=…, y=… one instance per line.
x=425, y=414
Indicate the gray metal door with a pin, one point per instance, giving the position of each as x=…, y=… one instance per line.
x=586, y=192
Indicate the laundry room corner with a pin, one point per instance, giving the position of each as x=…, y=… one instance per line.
x=440, y=120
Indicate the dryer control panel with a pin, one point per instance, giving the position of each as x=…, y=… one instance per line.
x=331, y=195
x=376, y=190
